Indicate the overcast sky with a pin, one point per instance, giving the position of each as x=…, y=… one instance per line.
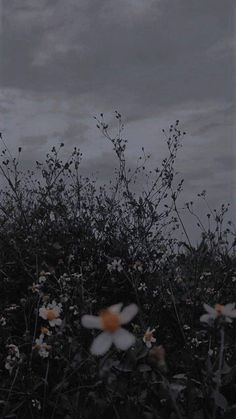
x=155, y=61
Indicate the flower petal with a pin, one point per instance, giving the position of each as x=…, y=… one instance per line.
x=43, y=313
x=123, y=339
x=232, y=314
x=148, y=344
x=228, y=320
x=206, y=318
x=228, y=309
x=91, y=322
x=209, y=309
x=115, y=308
x=101, y=343
x=128, y=313
x=58, y=322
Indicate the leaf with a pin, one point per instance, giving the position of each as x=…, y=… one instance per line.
x=176, y=389
x=220, y=400
x=180, y=377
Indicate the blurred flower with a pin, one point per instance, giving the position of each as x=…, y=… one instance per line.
x=115, y=265
x=51, y=313
x=226, y=312
x=186, y=327
x=155, y=293
x=45, y=331
x=138, y=266
x=42, y=347
x=52, y=216
x=142, y=287
x=35, y=287
x=36, y=403
x=196, y=342
x=110, y=321
x=42, y=279
x=12, y=358
x=3, y=321
x=148, y=337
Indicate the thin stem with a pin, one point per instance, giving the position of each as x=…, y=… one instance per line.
x=219, y=372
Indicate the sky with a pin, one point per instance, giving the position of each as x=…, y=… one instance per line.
x=155, y=61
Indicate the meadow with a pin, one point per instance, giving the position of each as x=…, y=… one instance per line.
x=104, y=313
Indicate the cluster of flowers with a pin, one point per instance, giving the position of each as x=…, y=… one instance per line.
x=12, y=358
x=110, y=321
x=42, y=346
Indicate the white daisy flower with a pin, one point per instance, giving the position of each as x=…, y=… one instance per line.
x=226, y=312
x=51, y=313
x=115, y=265
x=110, y=321
x=13, y=357
x=142, y=287
x=42, y=347
x=148, y=338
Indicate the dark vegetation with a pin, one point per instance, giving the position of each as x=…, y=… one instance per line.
x=60, y=236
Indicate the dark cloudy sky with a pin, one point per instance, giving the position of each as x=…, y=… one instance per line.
x=63, y=61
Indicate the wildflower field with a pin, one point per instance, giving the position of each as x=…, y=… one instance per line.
x=104, y=313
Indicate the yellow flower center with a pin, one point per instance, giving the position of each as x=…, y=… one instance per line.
x=51, y=315
x=219, y=309
x=110, y=321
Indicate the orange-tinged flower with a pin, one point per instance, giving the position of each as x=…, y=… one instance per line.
x=110, y=321
x=51, y=313
x=148, y=337
x=226, y=312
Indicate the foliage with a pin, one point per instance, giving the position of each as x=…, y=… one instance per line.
x=80, y=248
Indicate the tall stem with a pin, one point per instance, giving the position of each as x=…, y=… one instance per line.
x=219, y=372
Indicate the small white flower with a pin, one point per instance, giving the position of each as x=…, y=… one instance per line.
x=45, y=331
x=115, y=265
x=138, y=266
x=196, y=342
x=42, y=347
x=52, y=216
x=110, y=321
x=51, y=313
x=3, y=321
x=186, y=327
x=142, y=287
x=226, y=312
x=12, y=358
x=42, y=279
x=148, y=337
x=35, y=288
x=36, y=403
x=155, y=293
x=13, y=350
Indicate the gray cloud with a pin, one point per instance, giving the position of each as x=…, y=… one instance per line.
x=153, y=60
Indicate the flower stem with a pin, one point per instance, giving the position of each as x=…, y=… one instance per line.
x=219, y=372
